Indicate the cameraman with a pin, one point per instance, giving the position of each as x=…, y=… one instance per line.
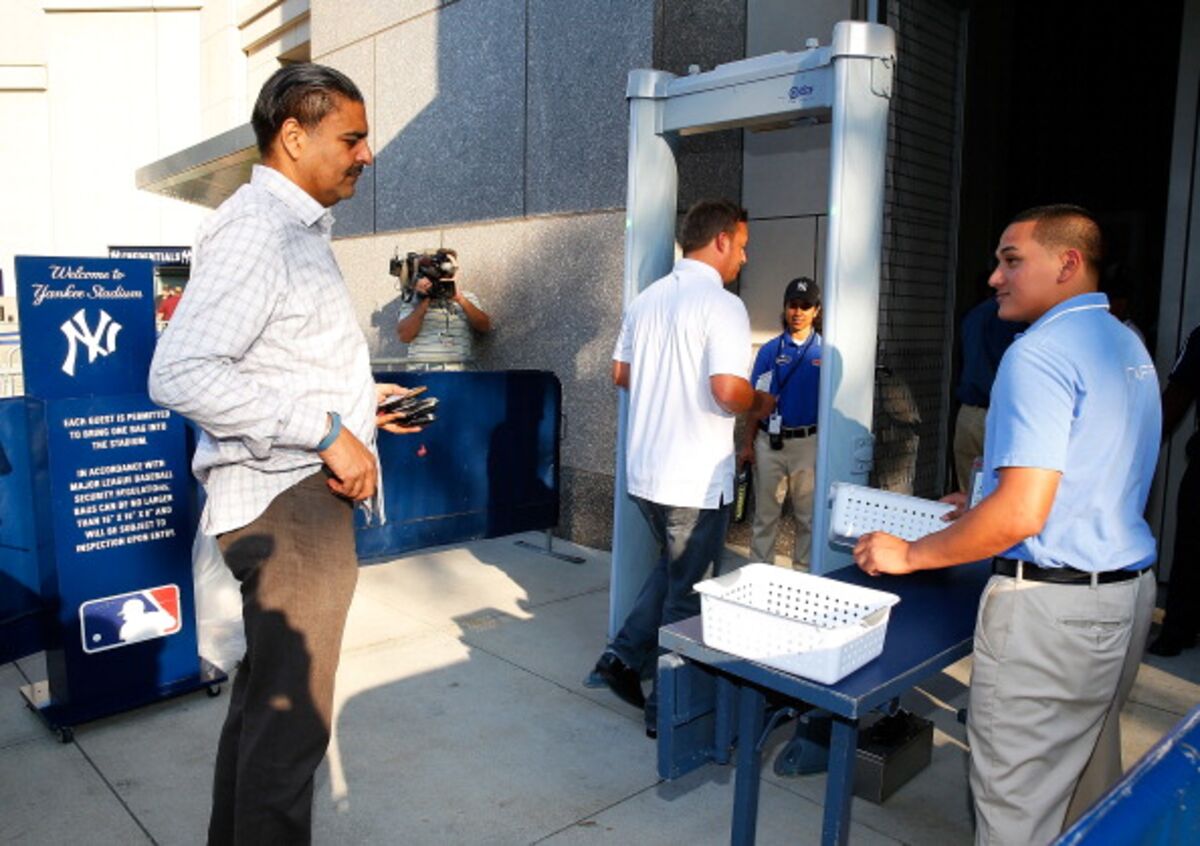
x=438, y=330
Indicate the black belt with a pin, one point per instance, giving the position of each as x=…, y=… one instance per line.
x=793, y=431
x=1058, y=575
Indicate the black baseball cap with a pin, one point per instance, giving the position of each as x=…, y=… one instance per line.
x=803, y=289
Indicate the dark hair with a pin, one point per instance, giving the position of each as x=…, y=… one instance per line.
x=303, y=91
x=707, y=219
x=1065, y=225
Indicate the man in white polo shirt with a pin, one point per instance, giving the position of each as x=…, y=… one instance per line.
x=684, y=355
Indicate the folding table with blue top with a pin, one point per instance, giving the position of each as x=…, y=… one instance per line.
x=709, y=699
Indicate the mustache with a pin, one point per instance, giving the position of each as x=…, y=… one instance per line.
x=356, y=170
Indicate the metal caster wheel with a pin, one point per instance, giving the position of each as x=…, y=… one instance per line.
x=66, y=734
x=213, y=691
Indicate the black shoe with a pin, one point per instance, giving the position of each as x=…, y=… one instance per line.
x=1168, y=646
x=652, y=732
x=625, y=682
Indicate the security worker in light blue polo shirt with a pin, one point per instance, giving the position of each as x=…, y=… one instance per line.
x=1072, y=440
x=783, y=445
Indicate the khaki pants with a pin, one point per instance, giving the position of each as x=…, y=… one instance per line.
x=776, y=473
x=1053, y=666
x=968, y=442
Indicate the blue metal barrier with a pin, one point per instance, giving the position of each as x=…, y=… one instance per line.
x=21, y=621
x=1156, y=803
x=97, y=499
x=487, y=466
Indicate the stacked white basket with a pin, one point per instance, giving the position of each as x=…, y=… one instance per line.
x=857, y=510
x=818, y=628
x=806, y=625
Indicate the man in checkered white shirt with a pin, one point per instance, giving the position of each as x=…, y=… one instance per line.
x=264, y=353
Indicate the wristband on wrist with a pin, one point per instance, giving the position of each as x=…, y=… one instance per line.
x=335, y=429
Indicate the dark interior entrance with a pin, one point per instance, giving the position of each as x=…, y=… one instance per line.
x=1071, y=102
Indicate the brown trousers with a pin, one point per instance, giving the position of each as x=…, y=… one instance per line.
x=297, y=568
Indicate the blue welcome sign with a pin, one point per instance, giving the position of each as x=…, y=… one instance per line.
x=87, y=325
x=110, y=499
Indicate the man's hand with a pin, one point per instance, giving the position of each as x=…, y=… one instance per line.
x=477, y=318
x=746, y=454
x=387, y=421
x=422, y=287
x=879, y=552
x=352, y=465
x=959, y=500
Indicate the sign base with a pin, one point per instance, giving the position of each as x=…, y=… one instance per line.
x=61, y=718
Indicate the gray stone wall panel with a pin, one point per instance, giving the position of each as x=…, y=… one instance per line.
x=356, y=216
x=451, y=91
x=785, y=24
x=580, y=56
x=552, y=288
x=364, y=264
x=587, y=505
x=335, y=24
x=705, y=33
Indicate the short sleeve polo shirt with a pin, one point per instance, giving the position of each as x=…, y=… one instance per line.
x=680, y=331
x=1077, y=393
x=795, y=368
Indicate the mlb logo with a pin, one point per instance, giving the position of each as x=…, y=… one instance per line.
x=128, y=618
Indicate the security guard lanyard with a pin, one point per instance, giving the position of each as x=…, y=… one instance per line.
x=775, y=421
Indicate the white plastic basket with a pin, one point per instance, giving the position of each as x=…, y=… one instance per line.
x=858, y=510
x=810, y=626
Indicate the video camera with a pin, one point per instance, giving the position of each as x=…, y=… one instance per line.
x=438, y=266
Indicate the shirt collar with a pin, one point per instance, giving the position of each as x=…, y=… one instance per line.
x=1092, y=299
x=699, y=268
x=293, y=196
x=792, y=342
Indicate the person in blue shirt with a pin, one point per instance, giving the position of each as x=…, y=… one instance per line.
x=1072, y=440
x=1182, y=619
x=783, y=445
x=983, y=337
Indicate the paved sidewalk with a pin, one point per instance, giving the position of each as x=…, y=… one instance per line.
x=461, y=719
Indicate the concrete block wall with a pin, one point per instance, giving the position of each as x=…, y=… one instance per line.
x=500, y=130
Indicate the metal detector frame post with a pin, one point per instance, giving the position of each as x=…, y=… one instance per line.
x=848, y=83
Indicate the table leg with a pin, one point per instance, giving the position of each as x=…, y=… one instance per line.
x=839, y=785
x=751, y=707
x=724, y=714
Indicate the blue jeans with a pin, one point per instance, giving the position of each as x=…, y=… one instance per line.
x=690, y=540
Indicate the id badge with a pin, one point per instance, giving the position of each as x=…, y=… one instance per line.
x=774, y=423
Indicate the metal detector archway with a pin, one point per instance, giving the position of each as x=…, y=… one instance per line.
x=849, y=84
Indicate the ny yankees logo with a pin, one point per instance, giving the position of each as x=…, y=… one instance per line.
x=101, y=342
